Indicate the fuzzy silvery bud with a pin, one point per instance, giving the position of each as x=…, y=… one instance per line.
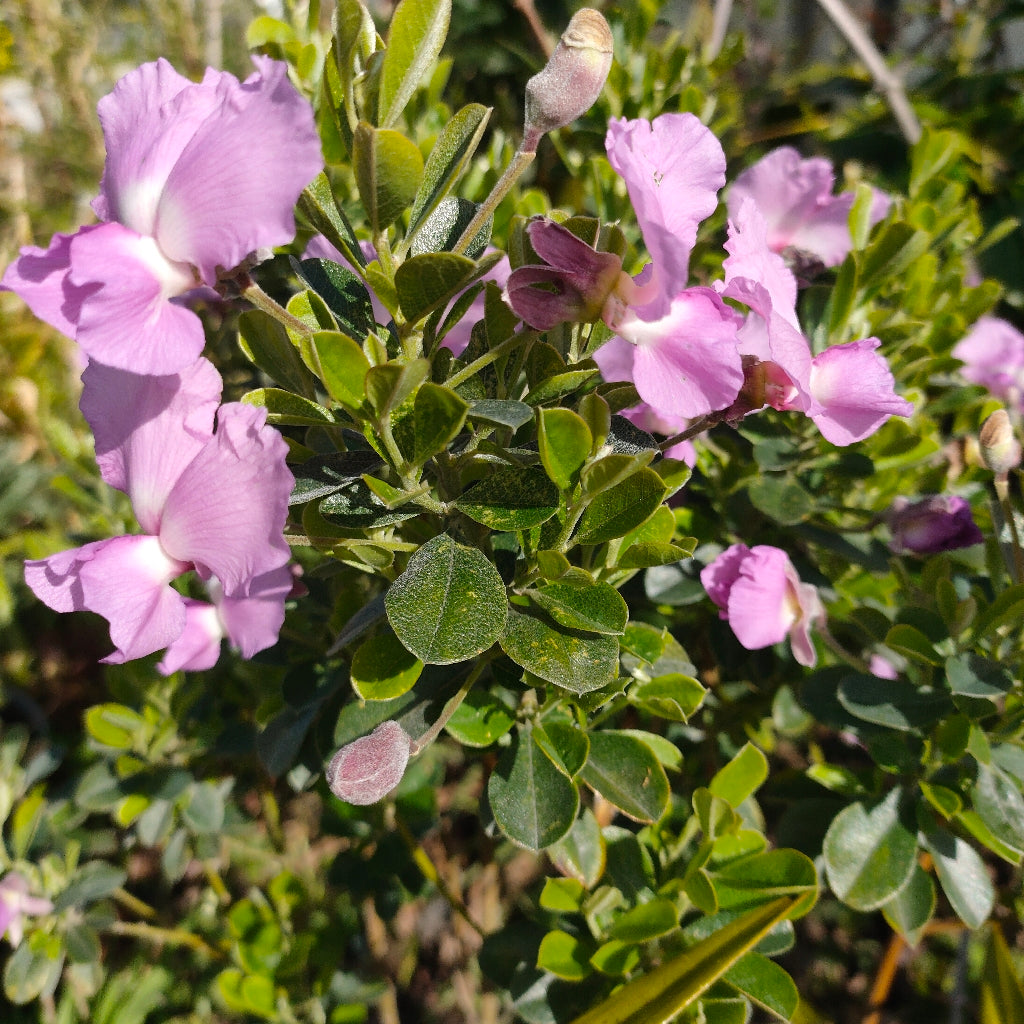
x=571, y=80
x=366, y=770
x=999, y=448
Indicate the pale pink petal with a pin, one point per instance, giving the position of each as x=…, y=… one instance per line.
x=124, y=579
x=853, y=392
x=718, y=577
x=128, y=321
x=39, y=277
x=993, y=356
x=687, y=362
x=198, y=647
x=673, y=168
x=227, y=511
x=234, y=186
x=811, y=612
x=148, y=429
x=147, y=121
x=254, y=622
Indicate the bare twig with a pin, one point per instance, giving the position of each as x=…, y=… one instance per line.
x=886, y=80
x=529, y=12
x=723, y=9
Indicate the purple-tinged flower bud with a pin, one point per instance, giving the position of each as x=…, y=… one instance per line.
x=940, y=522
x=575, y=283
x=367, y=769
x=999, y=448
x=571, y=80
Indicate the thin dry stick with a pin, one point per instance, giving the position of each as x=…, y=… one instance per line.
x=723, y=9
x=884, y=979
x=885, y=79
x=529, y=12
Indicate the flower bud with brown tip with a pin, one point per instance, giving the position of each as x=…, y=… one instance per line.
x=571, y=80
x=1000, y=450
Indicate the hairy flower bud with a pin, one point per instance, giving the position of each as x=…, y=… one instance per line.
x=939, y=522
x=366, y=770
x=571, y=80
x=999, y=448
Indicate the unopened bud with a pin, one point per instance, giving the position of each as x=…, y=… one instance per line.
x=1000, y=450
x=366, y=770
x=571, y=80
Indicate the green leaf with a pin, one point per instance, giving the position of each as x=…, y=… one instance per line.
x=324, y=474
x=445, y=226
x=997, y=799
x=616, y=958
x=565, y=956
x=648, y=554
x=533, y=801
x=343, y=367
x=93, y=881
x=388, y=169
x=626, y=772
x=318, y=207
x=891, y=702
x=428, y=281
x=614, y=512
x=501, y=412
x=558, y=386
x=417, y=33
x=889, y=255
x=1001, y=995
x=581, y=853
x=647, y=921
x=781, y=498
x=345, y=294
x=115, y=725
x=930, y=155
x=564, y=895
x=449, y=604
x=382, y=668
x=389, y=385
x=566, y=743
x=355, y=506
x=963, y=876
x=284, y=407
x=741, y=777
x=870, y=851
x=454, y=147
x=672, y=696
x=912, y=643
x=765, y=876
x=248, y=993
x=583, y=604
x=511, y=498
x=439, y=414
x=33, y=970
x=1007, y=607
x=912, y=907
x=658, y=996
x=267, y=346
x=579, y=664
x=565, y=441
x=970, y=675
x=480, y=719
x=765, y=983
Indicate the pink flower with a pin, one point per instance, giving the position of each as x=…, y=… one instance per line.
x=198, y=176
x=215, y=502
x=16, y=905
x=758, y=592
x=250, y=623
x=366, y=770
x=939, y=522
x=993, y=356
x=847, y=390
x=795, y=198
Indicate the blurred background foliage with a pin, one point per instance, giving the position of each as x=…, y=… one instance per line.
x=222, y=894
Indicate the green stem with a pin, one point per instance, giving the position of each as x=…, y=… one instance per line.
x=841, y=652
x=695, y=428
x=261, y=300
x=168, y=936
x=485, y=360
x=453, y=705
x=1003, y=492
x=519, y=164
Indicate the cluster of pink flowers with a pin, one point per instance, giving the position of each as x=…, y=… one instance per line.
x=687, y=352
x=199, y=178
